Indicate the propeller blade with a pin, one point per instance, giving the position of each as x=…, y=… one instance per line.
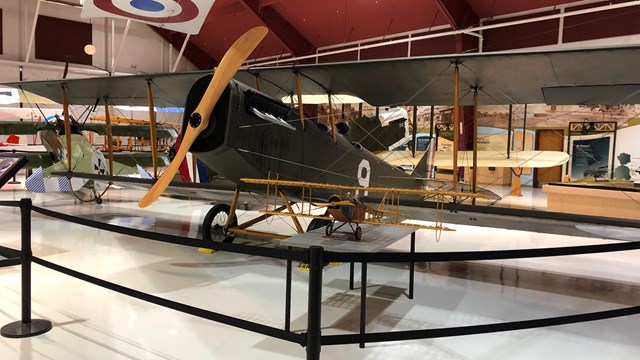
x=199, y=119
x=334, y=203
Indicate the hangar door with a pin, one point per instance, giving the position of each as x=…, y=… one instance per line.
x=552, y=140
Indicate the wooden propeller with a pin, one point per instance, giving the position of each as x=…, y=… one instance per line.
x=199, y=119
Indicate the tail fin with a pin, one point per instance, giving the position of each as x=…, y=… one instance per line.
x=144, y=174
x=422, y=169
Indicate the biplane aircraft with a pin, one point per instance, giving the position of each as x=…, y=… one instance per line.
x=345, y=207
x=44, y=155
x=241, y=132
x=48, y=158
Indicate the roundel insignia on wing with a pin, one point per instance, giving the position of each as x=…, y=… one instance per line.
x=158, y=11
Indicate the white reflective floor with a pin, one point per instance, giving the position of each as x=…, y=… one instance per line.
x=94, y=323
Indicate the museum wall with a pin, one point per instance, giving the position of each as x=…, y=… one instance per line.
x=143, y=52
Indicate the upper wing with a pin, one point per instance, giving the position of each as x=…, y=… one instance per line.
x=28, y=127
x=576, y=76
x=552, y=77
x=169, y=89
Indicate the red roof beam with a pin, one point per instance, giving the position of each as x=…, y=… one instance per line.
x=193, y=53
x=289, y=36
x=458, y=12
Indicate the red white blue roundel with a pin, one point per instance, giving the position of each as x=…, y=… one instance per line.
x=180, y=15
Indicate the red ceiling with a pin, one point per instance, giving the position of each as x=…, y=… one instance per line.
x=300, y=27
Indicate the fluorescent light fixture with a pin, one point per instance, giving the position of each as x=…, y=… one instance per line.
x=323, y=99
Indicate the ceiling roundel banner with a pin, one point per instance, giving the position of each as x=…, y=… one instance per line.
x=180, y=15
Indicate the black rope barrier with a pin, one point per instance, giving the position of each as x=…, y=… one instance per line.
x=478, y=329
x=283, y=254
x=187, y=309
x=313, y=338
x=479, y=255
x=10, y=203
x=10, y=262
x=9, y=252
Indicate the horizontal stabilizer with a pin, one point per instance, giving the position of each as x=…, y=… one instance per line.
x=38, y=183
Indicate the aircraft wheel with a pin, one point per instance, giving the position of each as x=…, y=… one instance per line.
x=98, y=200
x=213, y=224
x=358, y=233
x=317, y=223
x=329, y=229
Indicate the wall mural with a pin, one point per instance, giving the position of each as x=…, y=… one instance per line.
x=592, y=153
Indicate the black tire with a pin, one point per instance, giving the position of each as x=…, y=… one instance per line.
x=98, y=200
x=213, y=224
x=358, y=233
x=317, y=223
x=329, y=229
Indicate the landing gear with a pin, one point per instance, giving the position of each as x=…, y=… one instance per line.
x=214, y=224
x=357, y=231
x=329, y=229
x=317, y=223
x=97, y=197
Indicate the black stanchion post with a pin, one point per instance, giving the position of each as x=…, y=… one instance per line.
x=363, y=303
x=314, y=335
x=412, y=265
x=287, y=301
x=26, y=327
x=351, y=275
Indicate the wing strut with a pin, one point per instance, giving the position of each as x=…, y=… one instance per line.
x=456, y=125
x=107, y=119
x=67, y=124
x=333, y=123
x=299, y=93
x=474, y=183
x=152, y=129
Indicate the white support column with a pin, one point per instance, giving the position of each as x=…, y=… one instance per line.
x=561, y=27
x=113, y=43
x=124, y=38
x=184, y=45
x=33, y=31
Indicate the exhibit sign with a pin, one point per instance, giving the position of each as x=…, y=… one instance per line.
x=9, y=166
x=591, y=156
